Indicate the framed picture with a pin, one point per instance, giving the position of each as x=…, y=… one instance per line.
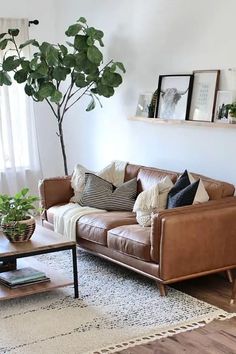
x=205, y=86
x=174, y=95
x=221, y=111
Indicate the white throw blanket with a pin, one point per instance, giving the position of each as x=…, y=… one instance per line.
x=66, y=216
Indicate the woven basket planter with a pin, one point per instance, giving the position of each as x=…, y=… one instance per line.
x=19, y=231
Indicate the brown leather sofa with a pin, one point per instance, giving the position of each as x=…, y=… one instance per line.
x=182, y=243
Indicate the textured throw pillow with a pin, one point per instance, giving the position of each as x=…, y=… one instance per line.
x=101, y=194
x=187, y=191
x=113, y=173
x=151, y=201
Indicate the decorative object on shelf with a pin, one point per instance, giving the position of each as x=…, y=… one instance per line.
x=174, y=95
x=16, y=222
x=204, y=95
x=61, y=74
x=145, y=107
x=232, y=112
x=224, y=98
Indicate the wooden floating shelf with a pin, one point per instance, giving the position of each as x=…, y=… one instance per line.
x=183, y=122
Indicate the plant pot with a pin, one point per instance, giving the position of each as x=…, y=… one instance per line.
x=19, y=231
x=232, y=119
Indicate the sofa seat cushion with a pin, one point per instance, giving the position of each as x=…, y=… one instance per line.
x=94, y=227
x=132, y=240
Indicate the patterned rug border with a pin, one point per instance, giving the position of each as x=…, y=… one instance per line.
x=164, y=332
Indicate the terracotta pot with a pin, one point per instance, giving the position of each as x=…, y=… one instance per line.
x=19, y=231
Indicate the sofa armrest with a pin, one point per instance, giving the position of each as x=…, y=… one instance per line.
x=195, y=239
x=198, y=241
x=55, y=190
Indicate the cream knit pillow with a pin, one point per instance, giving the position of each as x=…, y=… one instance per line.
x=151, y=201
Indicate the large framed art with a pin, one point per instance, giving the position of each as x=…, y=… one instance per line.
x=203, y=101
x=174, y=95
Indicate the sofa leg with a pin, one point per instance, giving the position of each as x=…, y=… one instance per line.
x=230, y=275
x=162, y=289
x=233, y=296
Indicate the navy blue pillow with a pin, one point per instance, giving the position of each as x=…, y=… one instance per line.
x=183, y=192
x=183, y=197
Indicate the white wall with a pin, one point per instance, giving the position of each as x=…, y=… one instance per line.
x=154, y=37
x=44, y=11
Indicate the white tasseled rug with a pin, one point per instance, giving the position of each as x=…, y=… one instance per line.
x=117, y=309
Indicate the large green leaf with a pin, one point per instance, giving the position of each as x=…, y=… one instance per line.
x=42, y=69
x=120, y=66
x=56, y=96
x=29, y=90
x=63, y=49
x=5, y=79
x=91, y=105
x=94, y=55
x=69, y=61
x=21, y=76
x=111, y=79
x=33, y=63
x=46, y=90
x=25, y=64
x=80, y=80
x=106, y=91
x=82, y=20
x=52, y=56
x=30, y=41
x=3, y=43
x=2, y=35
x=73, y=30
x=10, y=63
x=80, y=42
x=13, y=32
x=60, y=73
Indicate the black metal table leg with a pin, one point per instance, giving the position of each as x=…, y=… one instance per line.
x=75, y=272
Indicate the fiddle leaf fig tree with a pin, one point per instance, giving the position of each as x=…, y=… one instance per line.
x=61, y=74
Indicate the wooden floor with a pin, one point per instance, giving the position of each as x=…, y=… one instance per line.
x=218, y=337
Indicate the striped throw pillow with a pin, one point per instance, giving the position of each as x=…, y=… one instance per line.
x=101, y=194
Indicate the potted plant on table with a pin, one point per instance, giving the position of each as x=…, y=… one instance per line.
x=232, y=112
x=17, y=223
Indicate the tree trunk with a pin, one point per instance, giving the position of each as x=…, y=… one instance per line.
x=63, y=147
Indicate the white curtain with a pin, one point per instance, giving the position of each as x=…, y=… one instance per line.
x=19, y=157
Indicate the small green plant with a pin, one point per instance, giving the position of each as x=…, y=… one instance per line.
x=16, y=208
x=232, y=109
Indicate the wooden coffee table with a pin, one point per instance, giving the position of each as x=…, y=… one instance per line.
x=43, y=241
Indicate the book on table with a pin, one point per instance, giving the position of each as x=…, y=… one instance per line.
x=23, y=276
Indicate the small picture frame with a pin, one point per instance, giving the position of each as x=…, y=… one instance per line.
x=221, y=111
x=144, y=105
x=174, y=95
x=203, y=100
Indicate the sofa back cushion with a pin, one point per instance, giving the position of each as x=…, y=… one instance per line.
x=131, y=171
x=149, y=177
x=216, y=189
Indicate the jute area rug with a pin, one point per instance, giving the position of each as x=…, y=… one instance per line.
x=117, y=309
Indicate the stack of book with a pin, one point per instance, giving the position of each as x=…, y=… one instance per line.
x=22, y=277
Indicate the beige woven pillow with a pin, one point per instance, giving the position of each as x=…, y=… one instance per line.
x=152, y=200
x=113, y=173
